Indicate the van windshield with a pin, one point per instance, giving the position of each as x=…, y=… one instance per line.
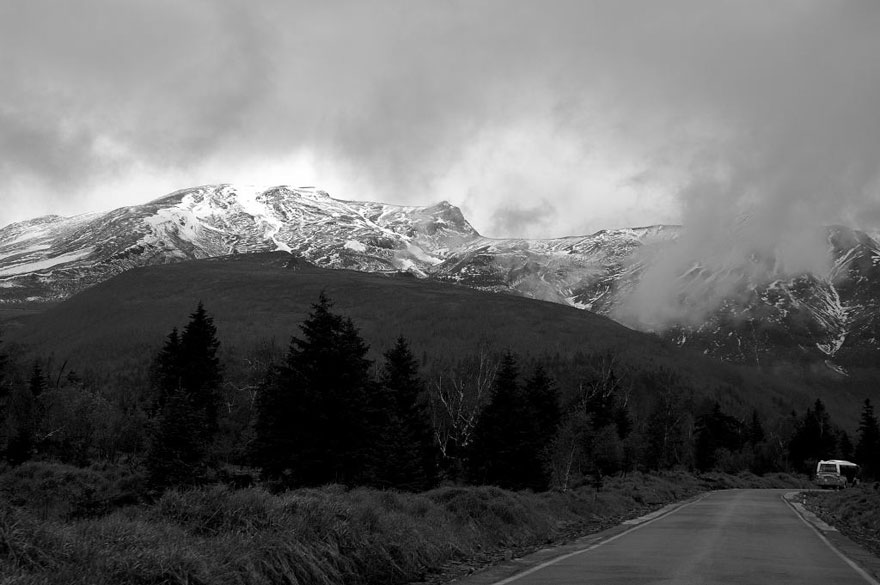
x=827, y=468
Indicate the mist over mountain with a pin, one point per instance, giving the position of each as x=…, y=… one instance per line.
x=814, y=298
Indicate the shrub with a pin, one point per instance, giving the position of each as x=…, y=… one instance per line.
x=58, y=491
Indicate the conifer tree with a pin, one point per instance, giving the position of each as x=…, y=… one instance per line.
x=21, y=425
x=177, y=455
x=716, y=430
x=756, y=433
x=201, y=374
x=494, y=457
x=24, y=417
x=279, y=411
x=187, y=374
x=845, y=449
x=666, y=432
x=542, y=416
x=404, y=455
x=166, y=370
x=814, y=438
x=321, y=434
x=867, y=453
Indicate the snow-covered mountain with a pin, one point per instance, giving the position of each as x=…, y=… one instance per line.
x=762, y=316
x=830, y=316
x=51, y=258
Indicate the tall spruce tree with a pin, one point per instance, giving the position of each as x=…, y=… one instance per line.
x=716, y=430
x=542, y=416
x=320, y=432
x=867, y=451
x=404, y=455
x=279, y=413
x=21, y=425
x=845, y=449
x=177, y=454
x=24, y=418
x=756, y=434
x=815, y=438
x=201, y=373
x=166, y=375
x=495, y=457
x=666, y=434
x=187, y=374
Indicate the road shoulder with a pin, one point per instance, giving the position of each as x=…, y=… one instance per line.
x=864, y=560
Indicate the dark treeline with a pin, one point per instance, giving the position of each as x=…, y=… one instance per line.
x=322, y=412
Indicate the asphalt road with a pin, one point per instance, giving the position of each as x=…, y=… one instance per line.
x=736, y=537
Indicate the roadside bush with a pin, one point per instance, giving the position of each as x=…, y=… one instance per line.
x=58, y=491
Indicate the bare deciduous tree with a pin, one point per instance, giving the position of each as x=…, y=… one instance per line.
x=457, y=394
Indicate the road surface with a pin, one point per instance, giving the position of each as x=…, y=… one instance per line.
x=729, y=537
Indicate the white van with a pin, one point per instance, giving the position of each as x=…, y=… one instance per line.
x=837, y=474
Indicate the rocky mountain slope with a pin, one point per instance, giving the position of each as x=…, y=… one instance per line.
x=763, y=316
x=828, y=317
x=51, y=258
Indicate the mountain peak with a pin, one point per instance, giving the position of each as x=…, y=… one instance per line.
x=52, y=258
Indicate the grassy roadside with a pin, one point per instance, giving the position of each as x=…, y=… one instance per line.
x=63, y=525
x=855, y=512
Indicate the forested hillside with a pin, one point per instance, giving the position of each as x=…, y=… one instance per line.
x=509, y=391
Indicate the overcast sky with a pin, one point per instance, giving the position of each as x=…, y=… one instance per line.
x=539, y=119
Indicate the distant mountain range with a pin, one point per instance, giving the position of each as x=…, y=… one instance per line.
x=831, y=318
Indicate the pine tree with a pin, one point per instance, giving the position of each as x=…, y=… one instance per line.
x=756, y=433
x=321, y=434
x=21, y=424
x=25, y=417
x=279, y=412
x=177, y=457
x=166, y=374
x=187, y=375
x=201, y=373
x=845, y=447
x=495, y=457
x=827, y=436
x=815, y=438
x=666, y=439
x=867, y=452
x=716, y=430
x=404, y=456
x=542, y=416
x=762, y=459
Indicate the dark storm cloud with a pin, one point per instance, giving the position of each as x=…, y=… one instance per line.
x=614, y=112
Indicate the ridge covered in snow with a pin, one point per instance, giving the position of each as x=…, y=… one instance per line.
x=833, y=316
x=51, y=258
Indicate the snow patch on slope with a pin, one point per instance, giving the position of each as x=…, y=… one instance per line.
x=248, y=198
x=355, y=245
x=46, y=263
